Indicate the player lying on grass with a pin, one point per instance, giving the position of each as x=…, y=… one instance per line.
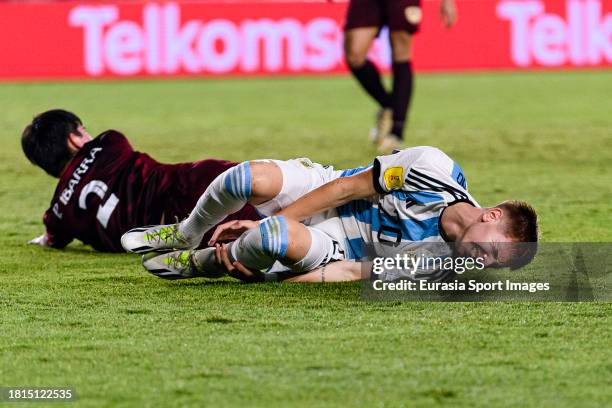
x=105, y=187
x=317, y=215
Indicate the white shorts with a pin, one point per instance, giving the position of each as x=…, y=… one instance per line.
x=300, y=176
x=328, y=242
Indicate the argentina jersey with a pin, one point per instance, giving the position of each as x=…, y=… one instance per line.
x=415, y=185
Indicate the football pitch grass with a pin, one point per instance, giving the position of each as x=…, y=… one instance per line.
x=121, y=337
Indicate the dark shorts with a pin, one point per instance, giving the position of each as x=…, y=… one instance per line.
x=398, y=15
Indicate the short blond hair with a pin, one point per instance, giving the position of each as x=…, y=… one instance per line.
x=521, y=223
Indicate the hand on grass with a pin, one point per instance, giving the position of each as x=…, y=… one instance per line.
x=41, y=240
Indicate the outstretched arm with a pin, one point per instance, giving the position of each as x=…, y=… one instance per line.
x=331, y=195
x=56, y=234
x=341, y=271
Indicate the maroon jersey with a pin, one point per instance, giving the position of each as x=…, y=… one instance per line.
x=108, y=188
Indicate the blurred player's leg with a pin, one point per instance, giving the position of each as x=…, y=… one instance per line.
x=357, y=42
x=404, y=19
x=363, y=22
x=298, y=247
x=402, y=88
x=356, y=45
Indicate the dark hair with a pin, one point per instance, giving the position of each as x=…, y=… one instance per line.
x=522, y=227
x=44, y=141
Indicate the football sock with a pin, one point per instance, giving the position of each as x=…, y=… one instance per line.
x=228, y=193
x=369, y=78
x=402, y=92
x=257, y=248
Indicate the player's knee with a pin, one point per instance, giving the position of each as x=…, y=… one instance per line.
x=354, y=55
x=253, y=181
x=274, y=234
x=266, y=180
x=353, y=58
x=401, y=45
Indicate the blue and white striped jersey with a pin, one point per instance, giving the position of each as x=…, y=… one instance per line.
x=415, y=185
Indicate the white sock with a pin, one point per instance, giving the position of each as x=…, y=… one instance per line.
x=260, y=247
x=248, y=249
x=257, y=248
x=228, y=193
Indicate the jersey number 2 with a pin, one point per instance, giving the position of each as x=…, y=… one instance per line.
x=105, y=209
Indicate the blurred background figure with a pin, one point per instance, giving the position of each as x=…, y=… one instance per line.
x=364, y=20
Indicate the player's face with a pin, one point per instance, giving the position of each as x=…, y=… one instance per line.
x=77, y=140
x=486, y=239
x=86, y=137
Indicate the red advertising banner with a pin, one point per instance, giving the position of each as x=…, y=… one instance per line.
x=135, y=39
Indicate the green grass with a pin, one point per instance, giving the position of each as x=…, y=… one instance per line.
x=98, y=323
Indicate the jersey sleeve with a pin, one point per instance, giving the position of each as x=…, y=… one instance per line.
x=56, y=236
x=421, y=168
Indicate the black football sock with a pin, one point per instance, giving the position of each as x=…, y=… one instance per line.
x=402, y=92
x=369, y=78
